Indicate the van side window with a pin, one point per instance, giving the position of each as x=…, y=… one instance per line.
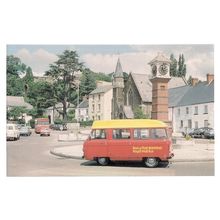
x=141, y=134
x=158, y=133
x=98, y=134
x=121, y=134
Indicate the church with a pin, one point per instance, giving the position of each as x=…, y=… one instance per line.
x=136, y=90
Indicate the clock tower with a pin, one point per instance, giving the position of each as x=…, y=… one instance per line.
x=160, y=67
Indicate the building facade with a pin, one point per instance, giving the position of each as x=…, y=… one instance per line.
x=100, y=105
x=192, y=106
x=82, y=111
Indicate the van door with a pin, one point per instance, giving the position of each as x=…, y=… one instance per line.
x=97, y=146
x=119, y=145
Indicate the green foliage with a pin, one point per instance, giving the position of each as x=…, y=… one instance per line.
x=70, y=115
x=86, y=123
x=40, y=95
x=15, y=86
x=63, y=74
x=181, y=66
x=15, y=66
x=87, y=83
x=173, y=66
x=138, y=113
x=101, y=77
x=32, y=123
x=15, y=112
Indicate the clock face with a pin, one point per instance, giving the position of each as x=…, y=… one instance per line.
x=163, y=69
x=154, y=70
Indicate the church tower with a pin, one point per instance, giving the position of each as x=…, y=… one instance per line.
x=118, y=92
x=160, y=67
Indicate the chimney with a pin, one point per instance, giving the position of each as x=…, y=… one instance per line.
x=210, y=78
x=194, y=81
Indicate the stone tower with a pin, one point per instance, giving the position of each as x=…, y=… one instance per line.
x=160, y=67
x=118, y=92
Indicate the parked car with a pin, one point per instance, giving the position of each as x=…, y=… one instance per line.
x=209, y=134
x=199, y=132
x=25, y=131
x=45, y=132
x=59, y=127
x=12, y=132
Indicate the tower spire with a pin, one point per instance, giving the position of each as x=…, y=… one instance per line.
x=118, y=69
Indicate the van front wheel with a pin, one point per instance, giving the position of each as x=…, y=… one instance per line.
x=151, y=162
x=103, y=161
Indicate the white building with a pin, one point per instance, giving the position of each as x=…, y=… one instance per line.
x=192, y=106
x=82, y=111
x=100, y=105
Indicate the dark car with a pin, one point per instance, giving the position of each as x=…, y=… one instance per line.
x=199, y=132
x=210, y=134
x=25, y=131
x=59, y=127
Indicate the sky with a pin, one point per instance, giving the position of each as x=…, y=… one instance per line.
x=199, y=58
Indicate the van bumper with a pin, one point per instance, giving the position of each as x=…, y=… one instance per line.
x=170, y=155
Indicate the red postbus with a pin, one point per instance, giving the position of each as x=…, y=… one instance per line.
x=128, y=140
x=41, y=123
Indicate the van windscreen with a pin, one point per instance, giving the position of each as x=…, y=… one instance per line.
x=158, y=133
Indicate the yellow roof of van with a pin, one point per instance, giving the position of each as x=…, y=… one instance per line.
x=129, y=123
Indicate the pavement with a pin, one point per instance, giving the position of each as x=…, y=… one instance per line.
x=184, y=151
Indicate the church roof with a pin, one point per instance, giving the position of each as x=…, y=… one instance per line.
x=118, y=70
x=160, y=58
x=144, y=85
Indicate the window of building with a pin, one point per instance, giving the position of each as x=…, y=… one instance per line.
x=206, y=123
x=99, y=107
x=196, y=110
x=93, y=97
x=178, y=111
x=98, y=134
x=196, y=124
x=121, y=134
x=93, y=108
x=99, y=117
x=189, y=123
x=205, y=109
x=181, y=123
x=93, y=118
x=141, y=133
x=187, y=110
x=87, y=111
x=99, y=97
x=158, y=133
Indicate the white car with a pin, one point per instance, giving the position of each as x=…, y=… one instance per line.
x=12, y=132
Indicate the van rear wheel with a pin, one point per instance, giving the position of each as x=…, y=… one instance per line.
x=103, y=161
x=151, y=162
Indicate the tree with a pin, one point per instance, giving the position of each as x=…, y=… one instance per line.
x=87, y=83
x=15, y=85
x=173, y=66
x=15, y=112
x=139, y=114
x=181, y=66
x=41, y=95
x=15, y=66
x=63, y=74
